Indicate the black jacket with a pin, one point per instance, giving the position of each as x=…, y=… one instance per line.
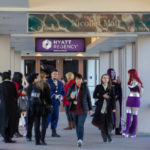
x=41, y=109
x=8, y=107
x=86, y=98
x=98, y=94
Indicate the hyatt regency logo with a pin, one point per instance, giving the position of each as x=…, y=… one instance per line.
x=47, y=44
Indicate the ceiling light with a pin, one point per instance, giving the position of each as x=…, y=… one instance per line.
x=38, y=54
x=79, y=55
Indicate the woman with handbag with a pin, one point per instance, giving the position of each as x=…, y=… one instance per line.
x=17, y=80
x=105, y=106
x=70, y=81
x=41, y=107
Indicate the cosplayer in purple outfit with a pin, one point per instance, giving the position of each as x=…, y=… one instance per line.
x=133, y=102
x=118, y=96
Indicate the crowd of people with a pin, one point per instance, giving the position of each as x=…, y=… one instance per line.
x=44, y=96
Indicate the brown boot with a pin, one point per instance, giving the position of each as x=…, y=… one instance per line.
x=73, y=125
x=69, y=126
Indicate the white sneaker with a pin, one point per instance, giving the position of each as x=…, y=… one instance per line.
x=132, y=136
x=125, y=135
x=80, y=143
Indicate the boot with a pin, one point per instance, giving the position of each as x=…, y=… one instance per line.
x=72, y=124
x=69, y=126
x=128, y=123
x=54, y=134
x=117, y=132
x=135, y=120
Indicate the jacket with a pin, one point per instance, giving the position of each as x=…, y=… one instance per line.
x=110, y=105
x=86, y=98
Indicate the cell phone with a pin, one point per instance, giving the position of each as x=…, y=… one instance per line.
x=73, y=92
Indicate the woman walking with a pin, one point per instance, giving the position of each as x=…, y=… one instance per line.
x=105, y=106
x=79, y=96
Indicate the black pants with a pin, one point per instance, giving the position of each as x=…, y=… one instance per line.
x=40, y=134
x=29, y=123
x=7, y=135
x=68, y=114
x=18, y=118
x=106, y=128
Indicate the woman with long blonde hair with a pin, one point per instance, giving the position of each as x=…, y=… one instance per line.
x=70, y=81
x=40, y=108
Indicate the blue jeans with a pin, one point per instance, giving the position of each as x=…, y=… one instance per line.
x=53, y=117
x=79, y=121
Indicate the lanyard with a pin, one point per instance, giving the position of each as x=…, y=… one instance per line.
x=77, y=92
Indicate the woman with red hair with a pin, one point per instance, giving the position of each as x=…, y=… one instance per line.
x=133, y=102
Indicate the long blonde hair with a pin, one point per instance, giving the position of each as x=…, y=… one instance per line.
x=42, y=82
x=69, y=76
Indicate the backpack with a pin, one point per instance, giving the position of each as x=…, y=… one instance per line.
x=35, y=96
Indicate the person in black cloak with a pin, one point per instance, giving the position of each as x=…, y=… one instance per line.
x=8, y=108
x=116, y=84
x=105, y=106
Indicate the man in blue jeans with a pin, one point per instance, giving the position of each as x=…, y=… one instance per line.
x=79, y=96
x=57, y=93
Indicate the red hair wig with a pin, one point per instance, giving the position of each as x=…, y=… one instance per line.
x=134, y=75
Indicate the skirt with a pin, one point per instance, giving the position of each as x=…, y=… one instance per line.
x=133, y=102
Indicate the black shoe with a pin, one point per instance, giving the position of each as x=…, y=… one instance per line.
x=37, y=143
x=54, y=134
x=9, y=141
x=109, y=139
x=43, y=143
x=117, y=132
x=105, y=140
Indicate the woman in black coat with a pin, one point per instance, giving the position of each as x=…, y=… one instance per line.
x=8, y=108
x=40, y=108
x=105, y=106
x=32, y=79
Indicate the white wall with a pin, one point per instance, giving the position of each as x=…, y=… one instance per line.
x=5, y=53
x=89, y=6
x=17, y=62
x=143, y=67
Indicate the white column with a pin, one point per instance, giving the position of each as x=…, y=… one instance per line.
x=91, y=78
x=115, y=58
x=5, y=53
x=128, y=64
x=104, y=63
x=143, y=67
x=12, y=59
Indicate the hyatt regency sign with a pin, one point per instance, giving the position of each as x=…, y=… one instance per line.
x=59, y=45
x=88, y=22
